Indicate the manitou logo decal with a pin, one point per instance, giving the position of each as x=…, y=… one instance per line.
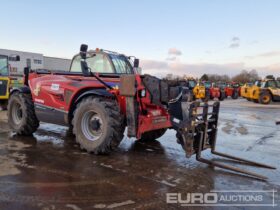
x=224, y=198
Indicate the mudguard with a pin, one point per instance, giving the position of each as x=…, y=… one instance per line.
x=98, y=92
x=24, y=89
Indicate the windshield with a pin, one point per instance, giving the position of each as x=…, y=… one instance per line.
x=222, y=85
x=258, y=83
x=270, y=84
x=4, y=65
x=236, y=85
x=98, y=63
x=121, y=63
x=278, y=83
x=207, y=84
x=192, y=83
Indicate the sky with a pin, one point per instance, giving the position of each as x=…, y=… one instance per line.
x=189, y=37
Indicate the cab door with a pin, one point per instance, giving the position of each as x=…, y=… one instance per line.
x=4, y=79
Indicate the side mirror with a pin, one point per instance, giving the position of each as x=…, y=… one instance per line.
x=83, y=51
x=136, y=63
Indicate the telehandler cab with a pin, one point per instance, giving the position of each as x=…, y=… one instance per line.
x=7, y=82
x=103, y=93
x=214, y=91
x=269, y=91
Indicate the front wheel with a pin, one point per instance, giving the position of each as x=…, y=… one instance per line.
x=265, y=98
x=21, y=114
x=98, y=125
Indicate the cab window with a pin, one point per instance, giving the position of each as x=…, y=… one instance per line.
x=207, y=84
x=278, y=83
x=98, y=63
x=4, y=65
x=121, y=64
x=271, y=84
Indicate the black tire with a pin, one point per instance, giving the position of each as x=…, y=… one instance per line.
x=234, y=94
x=107, y=118
x=153, y=135
x=222, y=96
x=265, y=98
x=21, y=114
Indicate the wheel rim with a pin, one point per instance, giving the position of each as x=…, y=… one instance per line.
x=266, y=99
x=92, y=126
x=17, y=113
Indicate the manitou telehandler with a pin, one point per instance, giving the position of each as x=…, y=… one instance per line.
x=214, y=91
x=269, y=90
x=103, y=93
x=201, y=92
x=245, y=90
x=254, y=91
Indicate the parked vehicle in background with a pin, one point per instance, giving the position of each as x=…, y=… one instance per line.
x=254, y=91
x=244, y=90
x=269, y=91
x=214, y=91
x=237, y=86
x=232, y=90
x=200, y=92
x=7, y=82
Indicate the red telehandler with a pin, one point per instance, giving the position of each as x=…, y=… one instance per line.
x=103, y=93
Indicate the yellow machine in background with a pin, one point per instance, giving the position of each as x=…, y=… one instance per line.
x=7, y=82
x=245, y=90
x=4, y=79
x=199, y=91
x=269, y=91
x=254, y=91
x=4, y=88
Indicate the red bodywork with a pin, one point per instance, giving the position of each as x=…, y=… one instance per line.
x=60, y=92
x=214, y=92
x=231, y=87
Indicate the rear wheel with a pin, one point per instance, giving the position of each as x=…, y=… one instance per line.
x=21, y=114
x=98, y=125
x=153, y=135
x=265, y=98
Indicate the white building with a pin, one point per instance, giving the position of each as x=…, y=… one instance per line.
x=34, y=61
